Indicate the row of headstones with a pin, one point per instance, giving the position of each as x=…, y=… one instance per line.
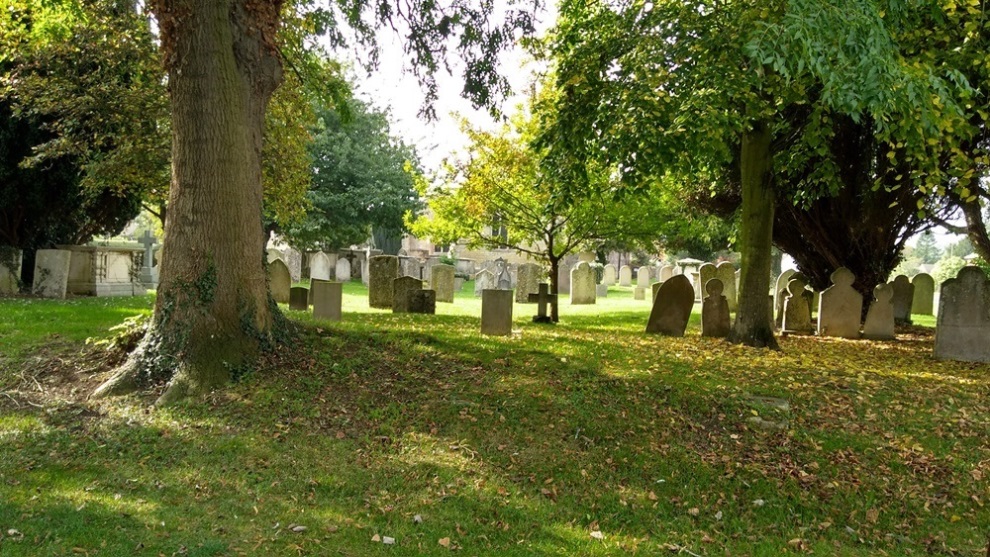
x=645, y=277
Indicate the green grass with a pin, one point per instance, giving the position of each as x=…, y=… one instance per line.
x=521, y=445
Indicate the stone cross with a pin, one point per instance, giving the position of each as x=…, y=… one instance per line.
x=148, y=241
x=544, y=299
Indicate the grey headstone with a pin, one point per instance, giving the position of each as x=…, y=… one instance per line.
x=544, y=300
x=583, y=284
x=879, y=324
x=706, y=272
x=10, y=270
x=672, y=307
x=601, y=290
x=410, y=266
x=342, y=272
x=726, y=273
x=639, y=293
x=484, y=280
x=442, y=280
x=423, y=301
x=496, y=312
x=715, y=311
x=503, y=279
x=319, y=266
x=299, y=298
x=841, y=307
x=527, y=281
x=924, y=294
x=643, y=277
x=279, y=280
x=564, y=278
x=609, y=275
x=903, y=297
x=403, y=289
x=797, y=308
x=51, y=272
x=382, y=270
x=625, y=276
x=963, y=329
x=655, y=287
x=779, y=293
x=327, y=298
x=666, y=272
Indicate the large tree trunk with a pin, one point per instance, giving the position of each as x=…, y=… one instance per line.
x=752, y=325
x=213, y=312
x=554, y=283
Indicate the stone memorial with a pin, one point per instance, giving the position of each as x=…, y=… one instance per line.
x=639, y=293
x=726, y=272
x=442, y=281
x=299, y=298
x=410, y=266
x=840, y=307
x=484, y=280
x=10, y=270
x=625, y=276
x=527, y=281
x=879, y=324
x=672, y=307
x=903, y=297
x=543, y=298
x=99, y=270
x=496, y=312
x=149, y=273
x=319, y=266
x=923, y=302
x=609, y=275
x=327, y=299
x=583, y=284
x=279, y=281
x=715, y=311
x=655, y=287
x=423, y=301
x=403, y=289
x=563, y=278
x=382, y=270
x=342, y=271
x=643, y=277
x=666, y=271
x=963, y=329
x=706, y=272
x=503, y=279
x=51, y=273
x=779, y=293
x=601, y=290
x=797, y=308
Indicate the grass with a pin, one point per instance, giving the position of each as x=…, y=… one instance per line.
x=526, y=445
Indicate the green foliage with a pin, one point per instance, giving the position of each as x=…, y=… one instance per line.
x=947, y=267
x=926, y=249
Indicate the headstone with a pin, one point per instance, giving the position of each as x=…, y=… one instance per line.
x=678, y=270
x=879, y=324
x=423, y=301
x=319, y=266
x=279, y=281
x=706, y=272
x=780, y=292
x=797, y=308
x=442, y=280
x=601, y=290
x=503, y=279
x=643, y=277
x=527, y=281
x=402, y=292
x=666, y=271
x=299, y=298
x=563, y=278
x=609, y=275
x=149, y=275
x=342, y=272
x=543, y=298
x=963, y=329
x=841, y=307
x=582, y=284
x=274, y=254
x=672, y=307
x=639, y=293
x=924, y=294
x=51, y=273
x=726, y=272
x=327, y=298
x=293, y=260
x=484, y=280
x=496, y=312
x=655, y=287
x=715, y=311
x=625, y=276
x=903, y=297
x=410, y=266
x=382, y=270
x=10, y=270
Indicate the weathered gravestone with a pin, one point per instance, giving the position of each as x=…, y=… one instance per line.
x=342, y=271
x=924, y=294
x=672, y=307
x=963, y=329
x=319, y=266
x=484, y=280
x=706, y=272
x=382, y=270
x=327, y=298
x=402, y=291
x=543, y=298
x=797, y=308
x=625, y=276
x=655, y=287
x=715, y=311
x=639, y=293
x=779, y=293
x=299, y=298
x=643, y=277
x=903, y=297
x=423, y=301
x=527, y=281
x=279, y=281
x=442, y=280
x=51, y=272
x=503, y=279
x=563, y=278
x=879, y=324
x=583, y=284
x=10, y=270
x=666, y=272
x=601, y=290
x=726, y=272
x=496, y=312
x=609, y=275
x=410, y=267
x=841, y=306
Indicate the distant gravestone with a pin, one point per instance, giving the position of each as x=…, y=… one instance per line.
x=841, y=307
x=666, y=272
x=779, y=293
x=963, y=329
x=10, y=270
x=563, y=279
x=149, y=275
x=279, y=281
x=625, y=276
x=924, y=294
x=299, y=298
x=527, y=281
x=643, y=277
x=327, y=298
x=672, y=307
x=382, y=270
x=544, y=299
x=601, y=290
x=319, y=266
x=726, y=272
x=715, y=311
x=879, y=324
x=410, y=267
x=639, y=293
x=797, y=308
x=484, y=280
x=496, y=312
x=609, y=275
x=903, y=297
x=503, y=279
x=706, y=272
x=51, y=273
x=342, y=272
x=423, y=301
x=402, y=290
x=583, y=284
x=442, y=280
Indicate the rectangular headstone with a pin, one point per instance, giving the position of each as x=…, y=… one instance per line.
x=527, y=281
x=382, y=270
x=496, y=312
x=10, y=270
x=442, y=280
x=963, y=330
x=51, y=273
x=327, y=298
x=601, y=290
x=299, y=298
x=403, y=289
x=423, y=301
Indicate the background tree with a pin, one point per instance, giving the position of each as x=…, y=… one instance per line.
x=926, y=249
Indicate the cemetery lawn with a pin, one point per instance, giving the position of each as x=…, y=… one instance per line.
x=585, y=438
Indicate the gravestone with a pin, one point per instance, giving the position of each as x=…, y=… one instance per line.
x=279, y=281
x=402, y=292
x=726, y=273
x=543, y=298
x=299, y=298
x=672, y=307
x=706, y=272
x=10, y=270
x=503, y=279
x=609, y=275
x=382, y=270
x=484, y=280
x=423, y=301
x=312, y=289
x=410, y=267
x=319, y=266
x=442, y=281
x=639, y=293
x=715, y=311
x=625, y=276
x=51, y=273
x=841, y=307
x=666, y=272
x=582, y=284
x=655, y=287
x=643, y=277
x=327, y=298
x=924, y=294
x=963, y=329
x=527, y=281
x=496, y=312
x=601, y=290
x=879, y=324
x=563, y=278
x=779, y=293
x=342, y=271
x=149, y=275
x=797, y=308
x=903, y=297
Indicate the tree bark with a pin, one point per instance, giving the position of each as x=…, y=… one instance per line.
x=554, y=283
x=213, y=312
x=752, y=326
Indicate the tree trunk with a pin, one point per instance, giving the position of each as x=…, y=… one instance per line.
x=554, y=283
x=213, y=313
x=976, y=229
x=752, y=325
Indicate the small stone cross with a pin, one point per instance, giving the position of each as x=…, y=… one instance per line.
x=544, y=299
x=148, y=241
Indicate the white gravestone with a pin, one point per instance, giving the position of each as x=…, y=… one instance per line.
x=583, y=284
x=879, y=324
x=319, y=266
x=51, y=273
x=840, y=307
x=625, y=276
x=609, y=275
x=342, y=272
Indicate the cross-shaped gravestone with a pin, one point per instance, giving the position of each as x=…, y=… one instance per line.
x=544, y=299
x=148, y=241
